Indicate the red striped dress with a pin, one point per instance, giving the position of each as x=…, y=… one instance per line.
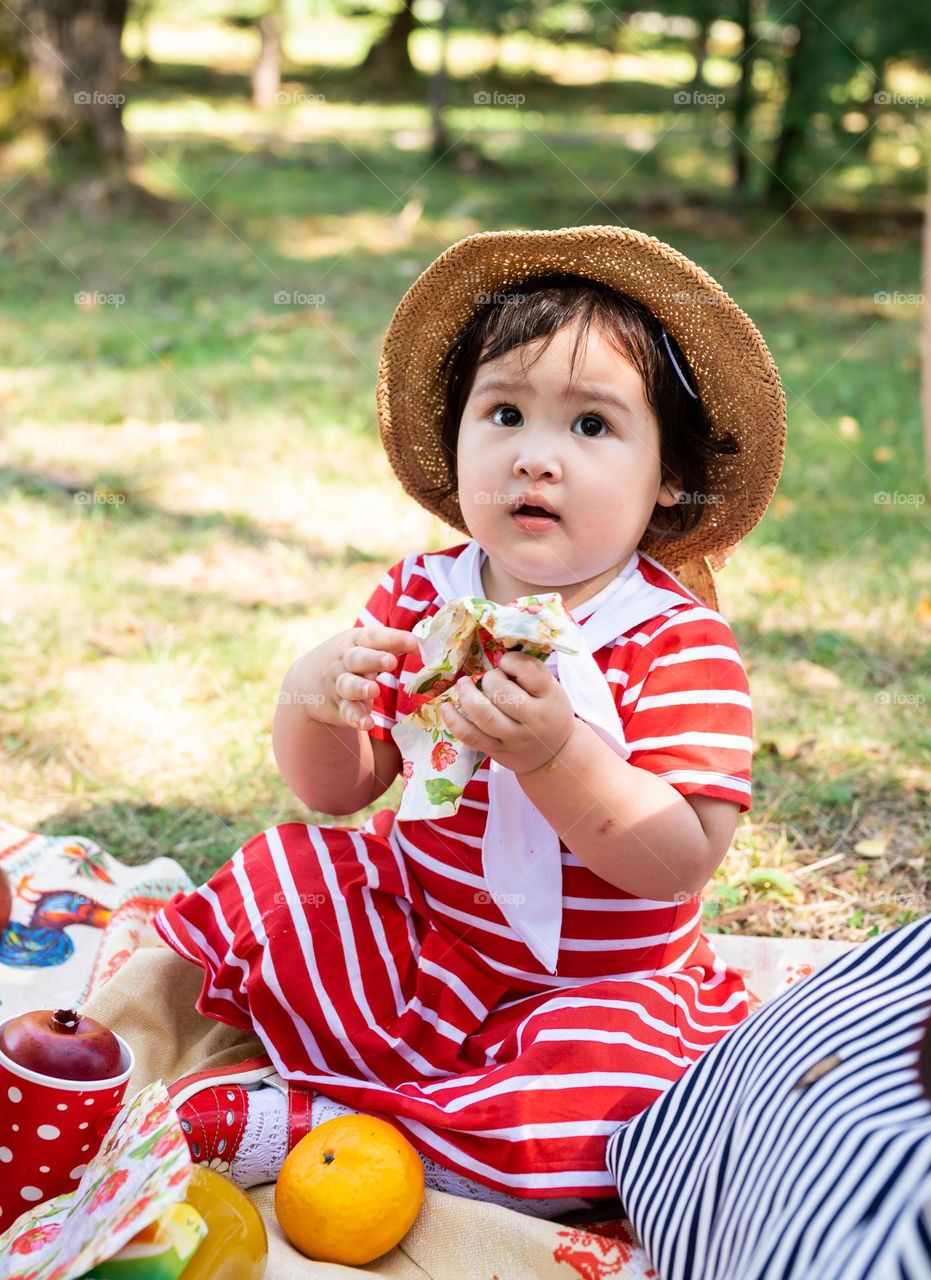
x=377, y=968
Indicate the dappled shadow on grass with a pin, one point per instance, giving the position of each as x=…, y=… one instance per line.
x=257, y=204
x=658, y=188
x=876, y=667
x=497, y=165
x=833, y=804
x=165, y=81
x=66, y=493
x=853, y=531
x=199, y=838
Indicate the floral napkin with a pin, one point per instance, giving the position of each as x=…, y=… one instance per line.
x=466, y=637
x=141, y=1170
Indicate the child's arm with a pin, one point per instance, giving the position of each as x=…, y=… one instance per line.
x=623, y=820
x=660, y=848
x=328, y=768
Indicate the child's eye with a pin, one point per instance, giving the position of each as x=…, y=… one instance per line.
x=586, y=419
x=505, y=408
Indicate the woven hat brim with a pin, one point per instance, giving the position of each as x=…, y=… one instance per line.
x=730, y=362
x=696, y=576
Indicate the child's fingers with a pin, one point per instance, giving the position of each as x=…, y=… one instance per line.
x=506, y=695
x=479, y=710
x=469, y=731
x=460, y=725
x=386, y=639
x=530, y=673
x=357, y=714
x=368, y=662
x=356, y=684
x=355, y=688
x=385, y=652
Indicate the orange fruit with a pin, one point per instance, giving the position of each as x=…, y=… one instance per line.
x=349, y=1190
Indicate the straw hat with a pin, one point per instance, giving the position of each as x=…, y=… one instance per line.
x=729, y=362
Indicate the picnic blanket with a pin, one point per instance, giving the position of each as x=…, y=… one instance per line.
x=81, y=932
x=78, y=915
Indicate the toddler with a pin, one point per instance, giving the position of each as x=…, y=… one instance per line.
x=599, y=419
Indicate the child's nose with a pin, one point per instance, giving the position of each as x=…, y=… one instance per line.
x=534, y=469
x=540, y=462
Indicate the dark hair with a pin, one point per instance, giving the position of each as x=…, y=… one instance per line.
x=539, y=308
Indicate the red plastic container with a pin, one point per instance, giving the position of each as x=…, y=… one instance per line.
x=49, y=1130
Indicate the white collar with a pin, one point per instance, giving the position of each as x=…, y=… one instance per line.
x=520, y=850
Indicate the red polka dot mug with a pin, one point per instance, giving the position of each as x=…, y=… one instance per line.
x=50, y=1128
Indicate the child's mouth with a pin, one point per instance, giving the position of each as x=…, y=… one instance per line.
x=534, y=519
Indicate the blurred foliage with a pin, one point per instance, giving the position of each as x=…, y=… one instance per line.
x=792, y=80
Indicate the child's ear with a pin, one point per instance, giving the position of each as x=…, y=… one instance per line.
x=669, y=493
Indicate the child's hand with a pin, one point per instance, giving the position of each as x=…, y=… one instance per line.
x=349, y=681
x=520, y=722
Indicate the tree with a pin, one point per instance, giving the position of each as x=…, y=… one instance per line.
x=814, y=58
x=825, y=48
x=266, y=74
x=389, y=60
x=700, y=50
x=747, y=13
x=436, y=91
x=74, y=52
x=14, y=74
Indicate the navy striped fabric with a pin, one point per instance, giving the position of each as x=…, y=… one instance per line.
x=800, y=1144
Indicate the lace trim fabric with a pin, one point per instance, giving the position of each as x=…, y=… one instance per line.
x=264, y=1142
x=455, y=1184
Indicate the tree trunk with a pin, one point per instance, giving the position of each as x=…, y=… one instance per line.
x=142, y=13
x=389, y=58
x=436, y=94
x=76, y=64
x=266, y=74
x=863, y=145
x=794, y=114
x=16, y=108
x=746, y=15
x=926, y=338
x=700, y=53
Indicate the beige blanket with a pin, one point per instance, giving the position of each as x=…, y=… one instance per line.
x=150, y=1001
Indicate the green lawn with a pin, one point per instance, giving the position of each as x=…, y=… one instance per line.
x=240, y=509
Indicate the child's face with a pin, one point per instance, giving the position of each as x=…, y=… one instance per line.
x=593, y=462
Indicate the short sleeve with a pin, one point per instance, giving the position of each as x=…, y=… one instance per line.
x=686, y=707
x=382, y=607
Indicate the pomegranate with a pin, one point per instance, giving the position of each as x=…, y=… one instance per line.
x=62, y=1043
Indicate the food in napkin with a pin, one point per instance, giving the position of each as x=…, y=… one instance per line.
x=466, y=637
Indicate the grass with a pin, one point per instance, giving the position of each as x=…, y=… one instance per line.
x=193, y=490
